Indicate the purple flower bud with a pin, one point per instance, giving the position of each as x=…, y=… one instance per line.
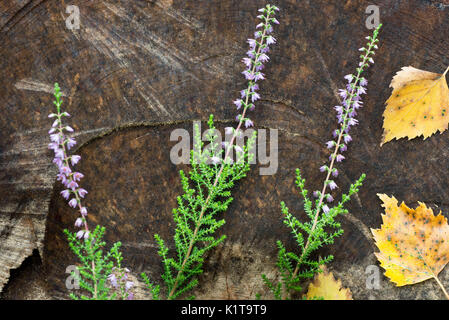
x=335, y=173
x=349, y=78
x=52, y=130
x=363, y=82
x=325, y=209
x=130, y=296
x=329, y=198
x=340, y=158
x=86, y=235
x=69, y=128
x=316, y=194
x=263, y=58
x=229, y=130
x=52, y=115
x=343, y=148
x=260, y=25
x=323, y=168
x=252, y=43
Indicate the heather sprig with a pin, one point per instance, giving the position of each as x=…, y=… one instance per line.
x=95, y=266
x=322, y=228
x=207, y=188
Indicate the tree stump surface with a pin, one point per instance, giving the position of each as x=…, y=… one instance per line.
x=136, y=70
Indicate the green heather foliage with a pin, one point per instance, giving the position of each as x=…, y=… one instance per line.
x=207, y=192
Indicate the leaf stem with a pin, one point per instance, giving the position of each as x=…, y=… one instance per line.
x=439, y=282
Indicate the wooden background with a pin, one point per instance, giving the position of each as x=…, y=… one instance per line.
x=136, y=70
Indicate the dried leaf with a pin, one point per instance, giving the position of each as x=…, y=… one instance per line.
x=413, y=243
x=418, y=105
x=325, y=286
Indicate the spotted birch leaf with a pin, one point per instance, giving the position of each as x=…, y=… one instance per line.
x=325, y=286
x=417, y=106
x=413, y=243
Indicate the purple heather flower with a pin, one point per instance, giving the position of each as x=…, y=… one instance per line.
x=69, y=128
x=70, y=143
x=255, y=96
x=347, y=138
x=83, y=211
x=113, y=280
x=330, y=144
x=82, y=192
x=80, y=234
x=343, y=148
x=263, y=58
x=248, y=123
x=238, y=149
x=72, y=185
x=52, y=130
x=259, y=76
x=252, y=43
x=329, y=198
x=326, y=209
x=323, y=168
x=86, y=235
x=75, y=159
x=270, y=40
x=248, y=75
x=73, y=203
x=77, y=176
x=342, y=93
x=52, y=115
x=238, y=103
x=363, y=82
x=361, y=90
x=335, y=173
x=260, y=25
x=352, y=122
x=275, y=21
x=332, y=185
x=243, y=93
x=247, y=61
x=130, y=296
x=340, y=158
x=229, y=130
x=349, y=78
x=78, y=222
x=65, y=194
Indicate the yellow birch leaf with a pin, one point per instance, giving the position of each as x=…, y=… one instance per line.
x=325, y=286
x=418, y=105
x=413, y=243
